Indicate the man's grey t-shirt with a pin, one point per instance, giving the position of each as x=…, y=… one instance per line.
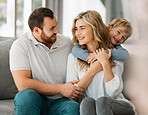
x=47, y=65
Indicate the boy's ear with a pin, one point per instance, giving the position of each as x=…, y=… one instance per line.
x=109, y=26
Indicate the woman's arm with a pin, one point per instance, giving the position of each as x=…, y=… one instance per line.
x=73, y=72
x=89, y=75
x=115, y=86
x=103, y=58
x=113, y=79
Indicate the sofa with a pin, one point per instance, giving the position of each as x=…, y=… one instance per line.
x=8, y=89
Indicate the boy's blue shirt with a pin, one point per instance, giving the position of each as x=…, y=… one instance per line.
x=119, y=53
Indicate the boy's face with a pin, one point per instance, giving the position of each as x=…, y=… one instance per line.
x=117, y=35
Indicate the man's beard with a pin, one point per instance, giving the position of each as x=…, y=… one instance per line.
x=47, y=39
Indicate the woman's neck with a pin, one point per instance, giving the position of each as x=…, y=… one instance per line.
x=91, y=46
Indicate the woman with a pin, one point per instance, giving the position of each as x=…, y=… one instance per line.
x=102, y=88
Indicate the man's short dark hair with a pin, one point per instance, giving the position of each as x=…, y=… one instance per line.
x=36, y=18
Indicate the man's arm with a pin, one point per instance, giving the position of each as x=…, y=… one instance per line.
x=22, y=74
x=23, y=81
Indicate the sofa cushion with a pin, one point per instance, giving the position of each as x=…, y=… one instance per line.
x=7, y=107
x=7, y=86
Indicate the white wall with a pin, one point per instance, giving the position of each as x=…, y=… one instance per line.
x=71, y=8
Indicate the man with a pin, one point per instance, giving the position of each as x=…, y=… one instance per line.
x=38, y=65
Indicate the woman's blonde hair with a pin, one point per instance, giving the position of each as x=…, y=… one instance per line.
x=100, y=32
x=121, y=22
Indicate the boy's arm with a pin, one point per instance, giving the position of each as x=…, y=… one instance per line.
x=80, y=53
x=119, y=53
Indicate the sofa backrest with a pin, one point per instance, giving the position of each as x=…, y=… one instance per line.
x=8, y=89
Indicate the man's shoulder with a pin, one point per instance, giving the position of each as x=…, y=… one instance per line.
x=63, y=38
x=23, y=37
x=22, y=40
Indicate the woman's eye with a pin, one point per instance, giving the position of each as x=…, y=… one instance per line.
x=76, y=29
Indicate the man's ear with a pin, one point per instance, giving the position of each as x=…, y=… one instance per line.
x=37, y=30
x=109, y=26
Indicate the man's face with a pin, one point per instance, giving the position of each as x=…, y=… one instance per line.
x=48, y=35
x=117, y=35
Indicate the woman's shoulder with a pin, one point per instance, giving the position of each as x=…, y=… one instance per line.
x=71, y=56
x=119, y=66
x=118, y=62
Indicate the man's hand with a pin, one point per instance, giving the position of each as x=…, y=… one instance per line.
x=71, y=91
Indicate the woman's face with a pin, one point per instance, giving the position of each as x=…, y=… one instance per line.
x=83, y=32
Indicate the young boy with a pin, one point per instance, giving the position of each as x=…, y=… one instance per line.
x=119, y=31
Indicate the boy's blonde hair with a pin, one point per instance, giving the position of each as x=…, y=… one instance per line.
x=121, y=22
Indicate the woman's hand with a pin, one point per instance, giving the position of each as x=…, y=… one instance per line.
x=91, y=58
x=102, y=56
x=95, y=66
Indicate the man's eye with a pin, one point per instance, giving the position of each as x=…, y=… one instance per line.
x=82, y=28
x=52, y=28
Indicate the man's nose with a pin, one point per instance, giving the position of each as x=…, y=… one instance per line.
x=56, y=30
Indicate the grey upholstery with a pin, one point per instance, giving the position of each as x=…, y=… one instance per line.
x=6, y=107
x=8, y=89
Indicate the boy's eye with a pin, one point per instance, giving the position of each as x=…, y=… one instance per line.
x=124, y=37
x=119, y=32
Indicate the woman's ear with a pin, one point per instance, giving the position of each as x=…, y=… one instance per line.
x=109, y=26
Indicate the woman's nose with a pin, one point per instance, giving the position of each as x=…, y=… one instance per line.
x=78, y=33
